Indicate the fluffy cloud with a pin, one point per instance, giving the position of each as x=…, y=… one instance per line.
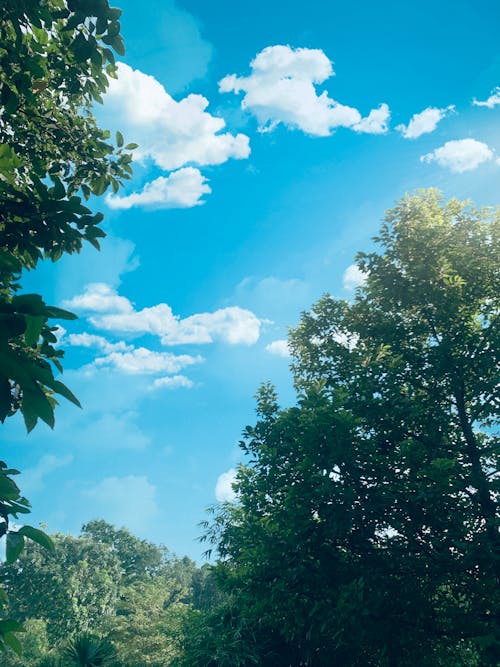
x=376, y=122
x=181, y=189
x=170, y=133
x=459, y=156
x=232, y=325
x=492, y=100
x=124, y=501
x=282, y=89
x=424, y=122
x=224, y=491
x=143, y=361
x=353, y=277
x=279, y=348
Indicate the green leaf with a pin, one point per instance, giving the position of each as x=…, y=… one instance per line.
x=119, y=139
x=34, y=328
x=37, y=536
x=15, y=544
x=131, y=147
x=13, y=642
x=59, y=313
x=8, y=488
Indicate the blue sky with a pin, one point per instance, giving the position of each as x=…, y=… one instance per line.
x=272, y=140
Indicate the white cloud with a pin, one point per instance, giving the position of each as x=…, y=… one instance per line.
x=224, y=491
x=170, y=133
x=492, y=100
x=143, y=361
x=282, y=89
x=172, y=382
x=181, y=189
x=33, y=478
x=424, y=122
x=353, y=277
x=279, y=348
x=376, y=122
x=459, y=156
x=124, y=501
x=99, y=298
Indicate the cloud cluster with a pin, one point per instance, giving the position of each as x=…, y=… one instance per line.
x=171, y=134
x=461, y=155
x=424, y=122
x=231, y=325
x=183, y=188
x=282, y=89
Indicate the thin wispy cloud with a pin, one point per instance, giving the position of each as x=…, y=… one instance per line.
x=282, y=88
x=461, y=155
x=424, y=122
x=491, y=101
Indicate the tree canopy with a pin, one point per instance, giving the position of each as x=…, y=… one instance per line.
x=366, y=526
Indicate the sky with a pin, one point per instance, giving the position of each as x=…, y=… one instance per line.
x=272, y=139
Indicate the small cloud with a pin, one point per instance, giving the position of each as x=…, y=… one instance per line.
x=33, y=478
x=282, y=89
x=353, y=277
x=376, y=121
x=99, y=298
x=279, y=348
x=181, y=189
x=424, y=122
x=115, y=432
x=224, y=491
x=172, y=382
x=492, y=100
x=143, y=361
x=124, y=501
x=461, y=155
x=99, y=342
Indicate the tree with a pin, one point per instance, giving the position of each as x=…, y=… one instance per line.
x=54, y=63
x=366, y=531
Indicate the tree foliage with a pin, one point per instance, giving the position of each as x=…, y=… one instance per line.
x=55, y=60
x=366, y=531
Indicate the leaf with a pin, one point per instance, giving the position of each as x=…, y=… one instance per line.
x=59, y=313
x=15, y=544
x=63, y=390
x=119, y=139
x=131, y=147
x=8, y=488
x=13, y=642
x=36, y=404
x=34, y=328
x=37, y=536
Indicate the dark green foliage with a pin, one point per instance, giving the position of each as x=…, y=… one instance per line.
x=88, y=650
x=54, y=63
x=366, y=531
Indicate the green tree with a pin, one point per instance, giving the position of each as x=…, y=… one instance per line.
x=73, y=591
x=366, y=531
x=55, y=62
